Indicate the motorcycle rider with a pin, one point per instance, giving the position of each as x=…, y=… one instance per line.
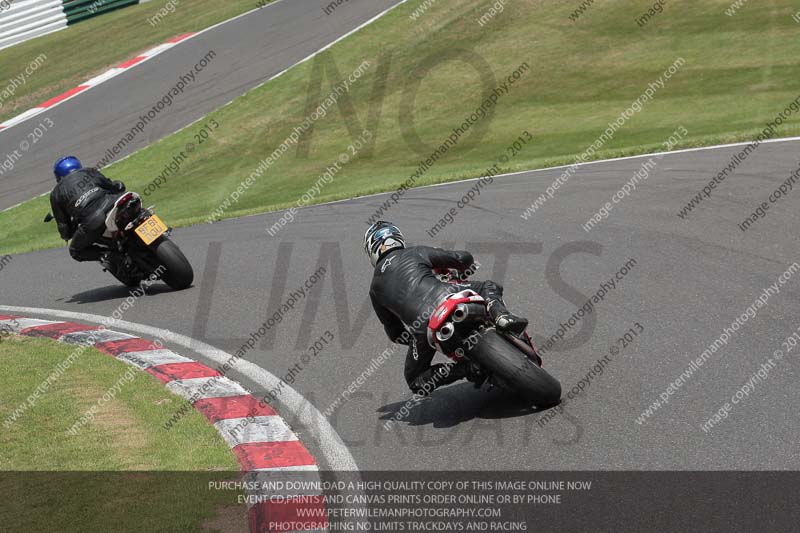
x=405, y=285
x=80, y=203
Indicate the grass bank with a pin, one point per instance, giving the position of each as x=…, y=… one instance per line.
x=83, y=480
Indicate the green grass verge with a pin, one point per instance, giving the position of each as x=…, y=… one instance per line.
x=86, y=49
x=127, y=433
x=79, y=481
x=739, y=73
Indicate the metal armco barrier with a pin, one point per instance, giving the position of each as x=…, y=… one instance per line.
x=21, y=20
x=78, y=10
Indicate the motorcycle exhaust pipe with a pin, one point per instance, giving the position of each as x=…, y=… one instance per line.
x=460, y=313
x=445, y=332
x=469, y=310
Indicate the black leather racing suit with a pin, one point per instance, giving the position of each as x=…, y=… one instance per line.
x=404, y=293
x=80, y=202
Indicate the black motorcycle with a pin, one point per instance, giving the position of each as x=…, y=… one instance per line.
x=460, y=328
x=139, y=246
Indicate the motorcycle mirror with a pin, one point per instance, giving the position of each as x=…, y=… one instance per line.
x=49, y=217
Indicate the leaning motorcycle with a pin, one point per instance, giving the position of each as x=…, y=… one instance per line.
x=460, y=327
x=141, y=245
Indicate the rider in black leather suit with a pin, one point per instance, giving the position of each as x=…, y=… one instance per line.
x=80, y=202
x=404, y=292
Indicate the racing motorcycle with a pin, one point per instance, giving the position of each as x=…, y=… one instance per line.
x=142, y=246
x=460, y=327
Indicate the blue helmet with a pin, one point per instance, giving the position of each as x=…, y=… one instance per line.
x=66, y=165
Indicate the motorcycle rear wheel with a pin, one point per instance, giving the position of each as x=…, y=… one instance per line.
x=513, y=370
x=179, y=274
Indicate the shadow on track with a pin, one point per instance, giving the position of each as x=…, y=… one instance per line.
x=456, y=404
x=113, y=292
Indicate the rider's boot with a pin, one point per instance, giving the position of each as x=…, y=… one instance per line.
x=438, y=375
x=107, y=261
x=476, y=375
x=505, y=320
x=110, y=261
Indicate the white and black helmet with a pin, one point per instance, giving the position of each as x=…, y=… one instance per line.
x=381, y=237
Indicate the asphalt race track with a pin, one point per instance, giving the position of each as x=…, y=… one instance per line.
x=249, y=50
x=691, y=278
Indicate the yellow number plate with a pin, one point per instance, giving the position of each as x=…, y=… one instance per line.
x=151, y=229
